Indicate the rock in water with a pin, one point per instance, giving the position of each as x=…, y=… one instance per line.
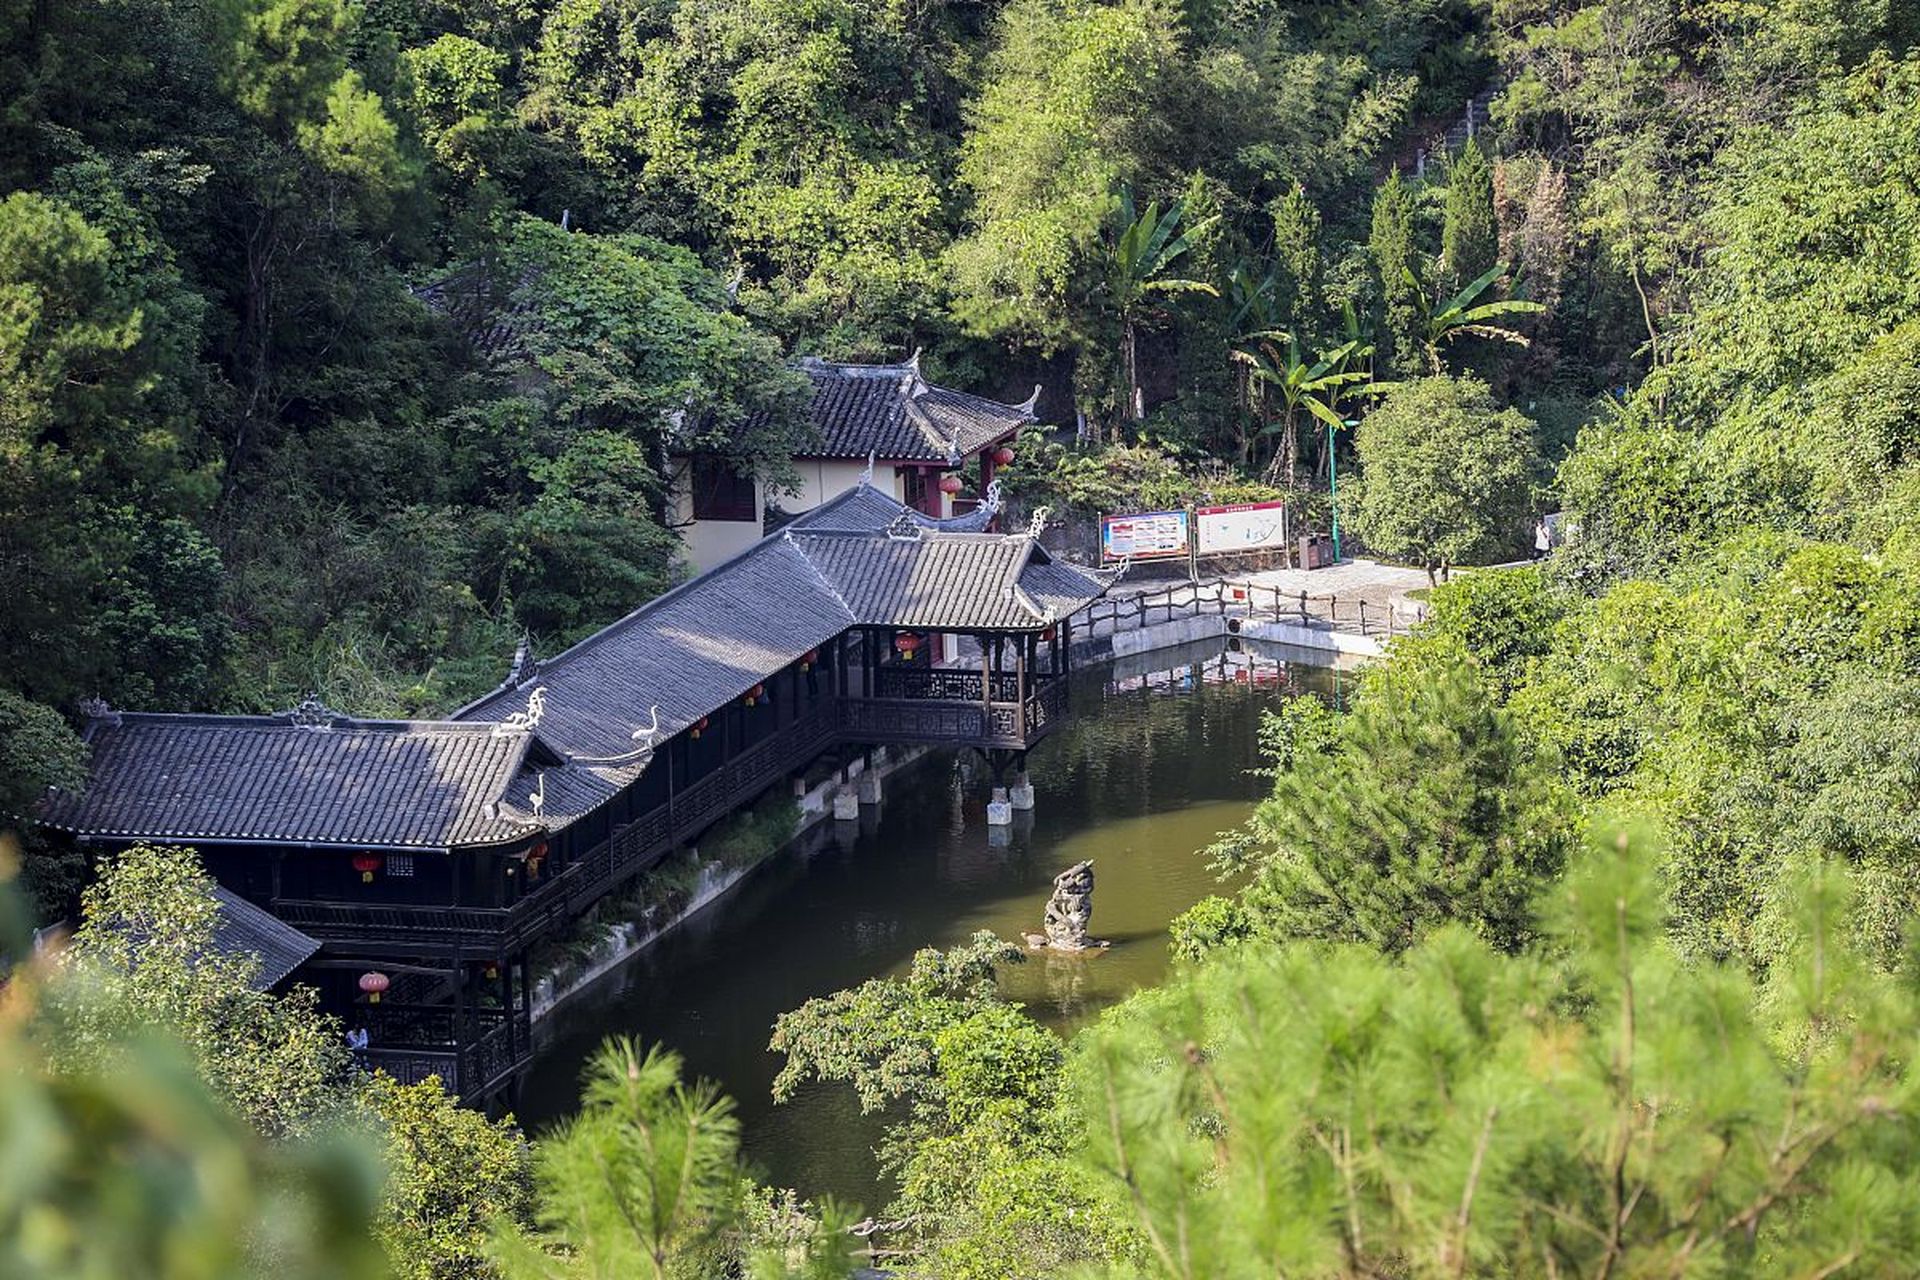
x=1070, y=909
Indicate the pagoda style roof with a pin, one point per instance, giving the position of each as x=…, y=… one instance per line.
x=860, y=559
x=564, y=735
x=891, y=412
x=308, y=776
x=242, y=929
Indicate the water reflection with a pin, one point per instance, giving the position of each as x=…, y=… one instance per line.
x=1154, y=766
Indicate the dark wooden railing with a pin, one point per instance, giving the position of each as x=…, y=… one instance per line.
x=926, y=707
x=942, y=684
x=471, y=1070
x=1234, y=598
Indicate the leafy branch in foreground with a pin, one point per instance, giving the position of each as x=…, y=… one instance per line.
x=1598, y=1109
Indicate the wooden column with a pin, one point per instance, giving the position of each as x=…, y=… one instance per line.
x=986, y=685
x=1020, y=685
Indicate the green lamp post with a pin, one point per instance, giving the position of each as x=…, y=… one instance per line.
x=1333, y=483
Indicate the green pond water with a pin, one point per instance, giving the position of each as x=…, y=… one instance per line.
x=1153, y=766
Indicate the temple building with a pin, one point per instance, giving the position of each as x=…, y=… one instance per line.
x=926, y=445
x=408, y=869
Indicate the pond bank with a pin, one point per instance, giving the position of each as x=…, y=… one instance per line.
x=1154, y=765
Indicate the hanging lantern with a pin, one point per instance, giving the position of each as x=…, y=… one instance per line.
x=1047, y=634
x=372, y=984
x=808, y=658
x=756, y=693
x=906, y=642
x=951, y=483
x=366, y=864
x=1003, y=455
x=492, y=971
x=699, y=726
x=536, y=856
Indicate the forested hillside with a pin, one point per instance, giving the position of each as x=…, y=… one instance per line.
x=342, y=343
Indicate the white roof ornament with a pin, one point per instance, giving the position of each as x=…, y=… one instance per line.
x=538, y=800
x=916, y=382
x=990, y=503
x=1031, y=405
x=524, y=721
x=649, y=732
x=1038, y=524
x=311, y=713
x=904, y=528
x=100, y=709
x=866, y=477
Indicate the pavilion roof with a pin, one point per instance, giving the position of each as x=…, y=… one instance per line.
x=308, y=776
x=244, y=929
x=562, y=736
x=891, y=412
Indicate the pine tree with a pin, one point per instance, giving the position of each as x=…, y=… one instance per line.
x=1600, y=1107
x=1423, y=809
x=1470, y=239
x=1296, y=264
x=1394, y=257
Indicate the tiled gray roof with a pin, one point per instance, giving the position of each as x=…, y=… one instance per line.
x=393, y=783
x=890, y=412
x=710, y=640
x=244, y=929
x=961, y=581
x=311, y=777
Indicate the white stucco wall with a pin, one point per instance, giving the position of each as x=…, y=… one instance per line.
x=709, y=542
x=821, y=479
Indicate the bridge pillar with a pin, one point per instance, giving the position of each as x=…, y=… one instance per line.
x=999, y=809
x=846, y=804
x=869, y=787
x=1020, y=794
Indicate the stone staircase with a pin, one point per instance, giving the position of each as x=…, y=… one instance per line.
x=1475, y=118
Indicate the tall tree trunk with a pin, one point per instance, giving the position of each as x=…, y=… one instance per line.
x=1130, y=358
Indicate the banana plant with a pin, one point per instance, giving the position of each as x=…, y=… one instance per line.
x=1458, y=316
x=1137, y=265
x=1316, y=386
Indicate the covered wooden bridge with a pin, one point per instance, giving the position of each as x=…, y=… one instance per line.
x=438, y=854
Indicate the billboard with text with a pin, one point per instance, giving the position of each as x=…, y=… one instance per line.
x=1247, y=526
x=1144, y=535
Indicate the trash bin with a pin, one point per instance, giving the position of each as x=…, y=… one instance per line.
x=1316, y=552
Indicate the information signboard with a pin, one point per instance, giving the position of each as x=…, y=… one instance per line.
x=1248, y=526
x=1144, y=535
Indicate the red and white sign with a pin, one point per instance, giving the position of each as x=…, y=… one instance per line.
x=1247, y=526
x=1144, y=535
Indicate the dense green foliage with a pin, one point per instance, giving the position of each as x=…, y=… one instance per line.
x=122, y=1164
x=144, y=958
x=1601, y=1108
x=1449, y=475
x=645, y=1182
x=453, y=1178
x=343, y=343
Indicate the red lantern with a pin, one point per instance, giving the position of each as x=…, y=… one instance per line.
x=1047, y=634
x=808, y=658
x=951, y=483
x=373, y=984
x=366, y=864
x=699, y=726
x=906, y=642
x=1003, y=455
x=756, y=693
